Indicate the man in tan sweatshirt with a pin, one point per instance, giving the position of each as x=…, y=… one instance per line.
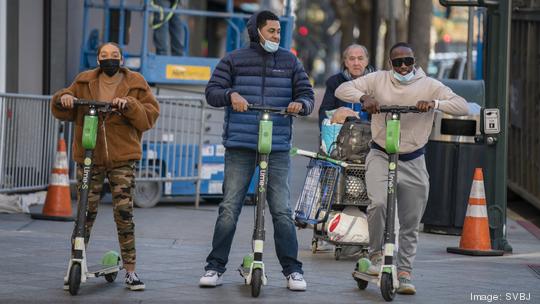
x=404, y=85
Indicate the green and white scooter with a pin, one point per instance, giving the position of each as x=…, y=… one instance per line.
x=78, y=270
x=387, y=279
x=252, y=268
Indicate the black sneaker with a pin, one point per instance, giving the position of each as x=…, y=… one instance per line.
x=133, y=282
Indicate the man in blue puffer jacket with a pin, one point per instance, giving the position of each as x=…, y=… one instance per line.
x=261, y=74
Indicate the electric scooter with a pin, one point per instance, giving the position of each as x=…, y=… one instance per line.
x=78, y=270
x=387, y=279
x=252, y=268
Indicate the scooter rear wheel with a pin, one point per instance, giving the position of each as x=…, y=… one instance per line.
x=387, y=289
x=256, y=282
x=74, y=278
x=110, y=277
x=361, y=284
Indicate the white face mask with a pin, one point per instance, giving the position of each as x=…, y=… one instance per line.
x=268, y=45
x=403, y=78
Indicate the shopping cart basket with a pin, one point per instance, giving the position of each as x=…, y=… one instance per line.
x=318, y=192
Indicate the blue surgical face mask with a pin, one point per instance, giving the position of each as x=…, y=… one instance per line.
x=268, y=45
x=403, y=78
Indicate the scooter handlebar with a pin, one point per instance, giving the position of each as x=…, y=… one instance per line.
x=267, y=109
x=95, y=103
x=103, y=105
x=399, y=109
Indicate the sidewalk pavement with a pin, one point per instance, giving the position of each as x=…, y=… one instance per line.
x=173, y=241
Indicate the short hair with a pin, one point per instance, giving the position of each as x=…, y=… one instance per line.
x=400, y=44
x=264, y=16
x=354, y=46
x=111, y=43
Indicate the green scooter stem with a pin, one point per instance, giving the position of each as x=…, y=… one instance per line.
x=265, y=137
x=89, y=135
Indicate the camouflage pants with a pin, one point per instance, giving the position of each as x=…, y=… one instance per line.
x=122, y=182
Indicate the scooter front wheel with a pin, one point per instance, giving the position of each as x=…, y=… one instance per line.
x=74, y=278
x=387, y=287
x=256, y=282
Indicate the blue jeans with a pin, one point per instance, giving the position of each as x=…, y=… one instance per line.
x=239, y=167
x=173, y=28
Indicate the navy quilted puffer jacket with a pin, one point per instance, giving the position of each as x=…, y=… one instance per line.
x=262, y=78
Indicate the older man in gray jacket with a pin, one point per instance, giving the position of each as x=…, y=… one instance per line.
x=404, y=85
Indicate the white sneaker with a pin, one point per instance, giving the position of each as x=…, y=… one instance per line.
x=376, y=264
x=211, y=278
x=296, y=282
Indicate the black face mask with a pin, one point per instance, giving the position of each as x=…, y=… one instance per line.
x=110, y=66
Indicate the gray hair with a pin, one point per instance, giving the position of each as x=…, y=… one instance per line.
x=354, y=46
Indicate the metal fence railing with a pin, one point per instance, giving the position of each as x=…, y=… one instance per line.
x=523, y=131
x=28, y=138
x=172, y=150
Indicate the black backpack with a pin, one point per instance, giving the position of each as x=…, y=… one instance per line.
x=352, y=143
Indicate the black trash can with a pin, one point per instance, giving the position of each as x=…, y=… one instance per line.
x=452, y=154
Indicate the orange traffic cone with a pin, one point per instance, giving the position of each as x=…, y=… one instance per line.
x=58, y=202
x=475, y=238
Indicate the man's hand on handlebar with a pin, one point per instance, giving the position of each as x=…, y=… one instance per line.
x=294, y=107
x=425, y=106
x=238, y=103
x=66, y=101
x=369, y=104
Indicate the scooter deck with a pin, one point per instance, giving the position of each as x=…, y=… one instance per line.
x=99, y=270
x=365, y=277
x=244, y=272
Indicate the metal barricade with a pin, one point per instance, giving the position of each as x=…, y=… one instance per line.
x=171, y=151
x=28, y=137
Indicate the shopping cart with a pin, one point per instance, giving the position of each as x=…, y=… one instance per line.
x=330, y=186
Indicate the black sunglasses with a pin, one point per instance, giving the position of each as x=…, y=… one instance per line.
x=399, y=61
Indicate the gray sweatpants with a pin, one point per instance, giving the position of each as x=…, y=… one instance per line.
x=412, y=195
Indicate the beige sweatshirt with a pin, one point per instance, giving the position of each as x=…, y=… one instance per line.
x=415, y=127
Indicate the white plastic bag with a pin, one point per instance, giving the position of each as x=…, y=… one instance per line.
x=349, y=226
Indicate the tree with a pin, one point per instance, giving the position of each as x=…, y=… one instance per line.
x=360, y=13
x=420, y=14
x=354, y=14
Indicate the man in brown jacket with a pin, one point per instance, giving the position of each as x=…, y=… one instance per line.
x=118, y=144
